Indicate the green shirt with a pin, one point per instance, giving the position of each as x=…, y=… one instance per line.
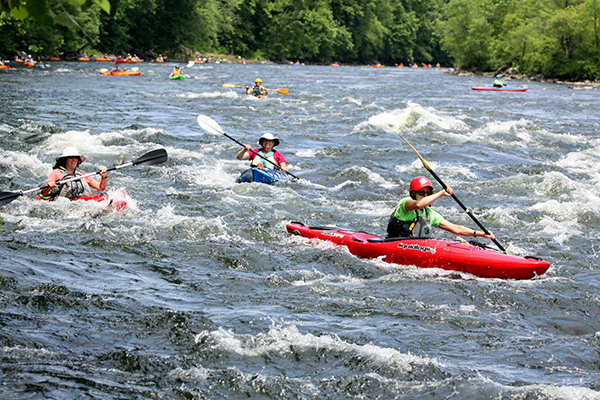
x=402, y=215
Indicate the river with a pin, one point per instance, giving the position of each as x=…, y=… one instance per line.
x=196, y=291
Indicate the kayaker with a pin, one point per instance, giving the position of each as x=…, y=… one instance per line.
x=66, y=167
x=267, y=143
x=498, y=81
x=258, y=90
x=414, y=218
x=116, y=68
x=175, y=72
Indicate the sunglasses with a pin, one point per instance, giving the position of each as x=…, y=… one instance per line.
x=425, y=192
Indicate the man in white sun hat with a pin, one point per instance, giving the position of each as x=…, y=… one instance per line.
x=67, y=167
x=267, y=143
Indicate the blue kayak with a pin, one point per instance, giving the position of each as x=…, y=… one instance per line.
x=261, y=175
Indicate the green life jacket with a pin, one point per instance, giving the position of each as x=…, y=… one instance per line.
x=419, y=227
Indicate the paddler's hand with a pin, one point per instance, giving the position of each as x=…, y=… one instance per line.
x=51, y=185
x=484, y=235
x=103, y=172
x=447, y=192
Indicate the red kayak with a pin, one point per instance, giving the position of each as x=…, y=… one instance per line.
x=428, y=253
x=502, y=89
x=117, y=205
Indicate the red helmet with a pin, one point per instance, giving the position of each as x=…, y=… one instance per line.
x=419, y=183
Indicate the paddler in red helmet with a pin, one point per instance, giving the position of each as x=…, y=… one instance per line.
x=413, y=216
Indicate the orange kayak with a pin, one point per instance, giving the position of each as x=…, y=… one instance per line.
x=4, y=67
x=122, y=73
x=103, y=59
x=28, y=64
x=54, y=58
x=83, y=59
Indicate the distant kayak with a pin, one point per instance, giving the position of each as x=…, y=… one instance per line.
x=42, y=66
x=121, y=61
x=4, y=67
x=450, y=255
x=117, y=205
x=261, y=175
x=502, y=89
x=83, y=59
x=28, y=64
x=54, y=58
x=103, y=59
x=177, y=78
x=122, y=73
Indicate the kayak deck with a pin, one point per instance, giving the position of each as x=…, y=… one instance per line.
x=261, y=175
x=428, y=253
x=122, y=73
x=501, y=89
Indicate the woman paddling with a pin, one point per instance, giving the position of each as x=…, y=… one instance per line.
x=267, y=142
x=66, y=167
x=414, y=218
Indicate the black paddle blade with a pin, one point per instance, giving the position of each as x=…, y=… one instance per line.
x=153, y=157
x=7, y=197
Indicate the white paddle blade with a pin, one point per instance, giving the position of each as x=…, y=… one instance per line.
x=209, y=125
x=190, y=64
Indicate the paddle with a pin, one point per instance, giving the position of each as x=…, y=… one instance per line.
x=153, y=157
x=280, y=90
x=103, y=69
x=211, y=126
x=135, y=69
x=437, y=178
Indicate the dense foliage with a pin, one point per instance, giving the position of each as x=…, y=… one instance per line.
x=556, y=38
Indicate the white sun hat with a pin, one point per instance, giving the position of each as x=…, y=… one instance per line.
x=71, y=152
x=269, y=136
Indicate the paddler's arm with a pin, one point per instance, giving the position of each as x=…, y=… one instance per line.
x=244, y=154
x=463, y=230
x=99, y=186
x=423, y=202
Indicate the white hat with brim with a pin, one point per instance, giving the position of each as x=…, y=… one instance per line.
x=71, y=152
x=269, y=136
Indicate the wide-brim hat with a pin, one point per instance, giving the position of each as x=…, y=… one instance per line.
x=71, y=152
x=269, y=136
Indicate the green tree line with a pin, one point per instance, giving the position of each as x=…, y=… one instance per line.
x=556, y=38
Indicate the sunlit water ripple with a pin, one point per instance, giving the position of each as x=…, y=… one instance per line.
x=197, y=291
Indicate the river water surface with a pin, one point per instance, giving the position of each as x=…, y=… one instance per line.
x=196, y=291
